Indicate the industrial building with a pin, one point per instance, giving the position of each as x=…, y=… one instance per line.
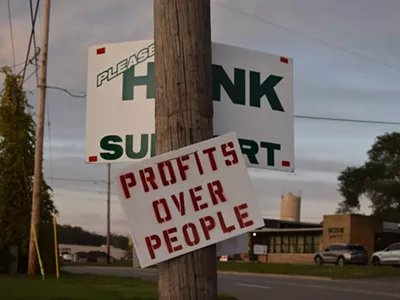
x=291, y=241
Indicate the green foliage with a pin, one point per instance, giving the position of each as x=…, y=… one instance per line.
x=79, y=287
x=378, y=179
x=75, y=235
x=17, y=151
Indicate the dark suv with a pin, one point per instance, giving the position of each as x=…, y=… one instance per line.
x=341, y=254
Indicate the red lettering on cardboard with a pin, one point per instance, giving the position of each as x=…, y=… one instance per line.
x=153, y=243
x=216, y=192
x=228, y=150
x=163, y=175
x=207, y=224
x=147, y=176
x=127, y=181
x=193, y=238
x=198, y=162
x=210, y=153
x=241, y=216
x=161, y=210
x=179, y=202
x=225, y=229
x=171, y=239
x=197, y=198
x=190, y=232
x=182, y=167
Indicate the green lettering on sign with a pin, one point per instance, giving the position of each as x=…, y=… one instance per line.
x=236, y=90
x=110, y=143
x=271, y=147
x=267, y=88
x=129, y=81
x=144, y=146
x=133, y=60
x=250, y=149
x=114, y=146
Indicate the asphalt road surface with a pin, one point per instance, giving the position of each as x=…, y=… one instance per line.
x=262, y=287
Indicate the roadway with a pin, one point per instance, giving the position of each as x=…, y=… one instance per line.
x=261, y=287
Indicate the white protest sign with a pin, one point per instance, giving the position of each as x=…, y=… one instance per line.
x=187, y=199
x=252, y=93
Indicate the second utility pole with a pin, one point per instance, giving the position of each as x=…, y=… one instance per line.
x=184, y=116
x=37, y=176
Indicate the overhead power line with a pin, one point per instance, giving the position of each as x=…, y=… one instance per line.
x=295, y=116
x=31, y=37
x=346, y=120
x=33, y=22
x=66, y=91
x=90, y=191
x=266, y=216
x=17, y=65
x=11, y=33
x=29, y=76
x=95, y=181
x=30, y=60
x=25, y=80
x=267, y=22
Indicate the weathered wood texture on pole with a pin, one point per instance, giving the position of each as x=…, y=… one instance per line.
x=184, y=112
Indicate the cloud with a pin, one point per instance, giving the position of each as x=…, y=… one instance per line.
x=328, y=82
x=88, y=210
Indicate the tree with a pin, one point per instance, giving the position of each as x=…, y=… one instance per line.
x=75, y=235
x=184, y=116
x=17, y=150
x=378, y=179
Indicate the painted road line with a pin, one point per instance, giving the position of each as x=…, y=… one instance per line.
x=253, y=285
x=338, y=289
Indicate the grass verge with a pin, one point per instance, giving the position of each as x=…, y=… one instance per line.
x=329, y=271
x=79, y=287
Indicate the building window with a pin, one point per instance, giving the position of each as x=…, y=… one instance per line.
x=308, y=245
x=271, y=246
x=278, y=244
x=317, y=239
x=292, y=244
x=300, y=244
x=285, y=244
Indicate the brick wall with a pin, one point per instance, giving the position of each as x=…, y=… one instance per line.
x=363, y=229
x=357, y=229
x=332, y=223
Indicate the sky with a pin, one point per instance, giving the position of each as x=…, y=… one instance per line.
x=346, y=65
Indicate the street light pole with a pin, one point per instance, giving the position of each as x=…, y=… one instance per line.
x=108, y=211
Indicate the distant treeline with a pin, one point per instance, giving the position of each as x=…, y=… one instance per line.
x=67, y=234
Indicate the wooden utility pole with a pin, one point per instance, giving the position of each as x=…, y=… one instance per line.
x=37, y=177
x=184, y=116
x=108, y=211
